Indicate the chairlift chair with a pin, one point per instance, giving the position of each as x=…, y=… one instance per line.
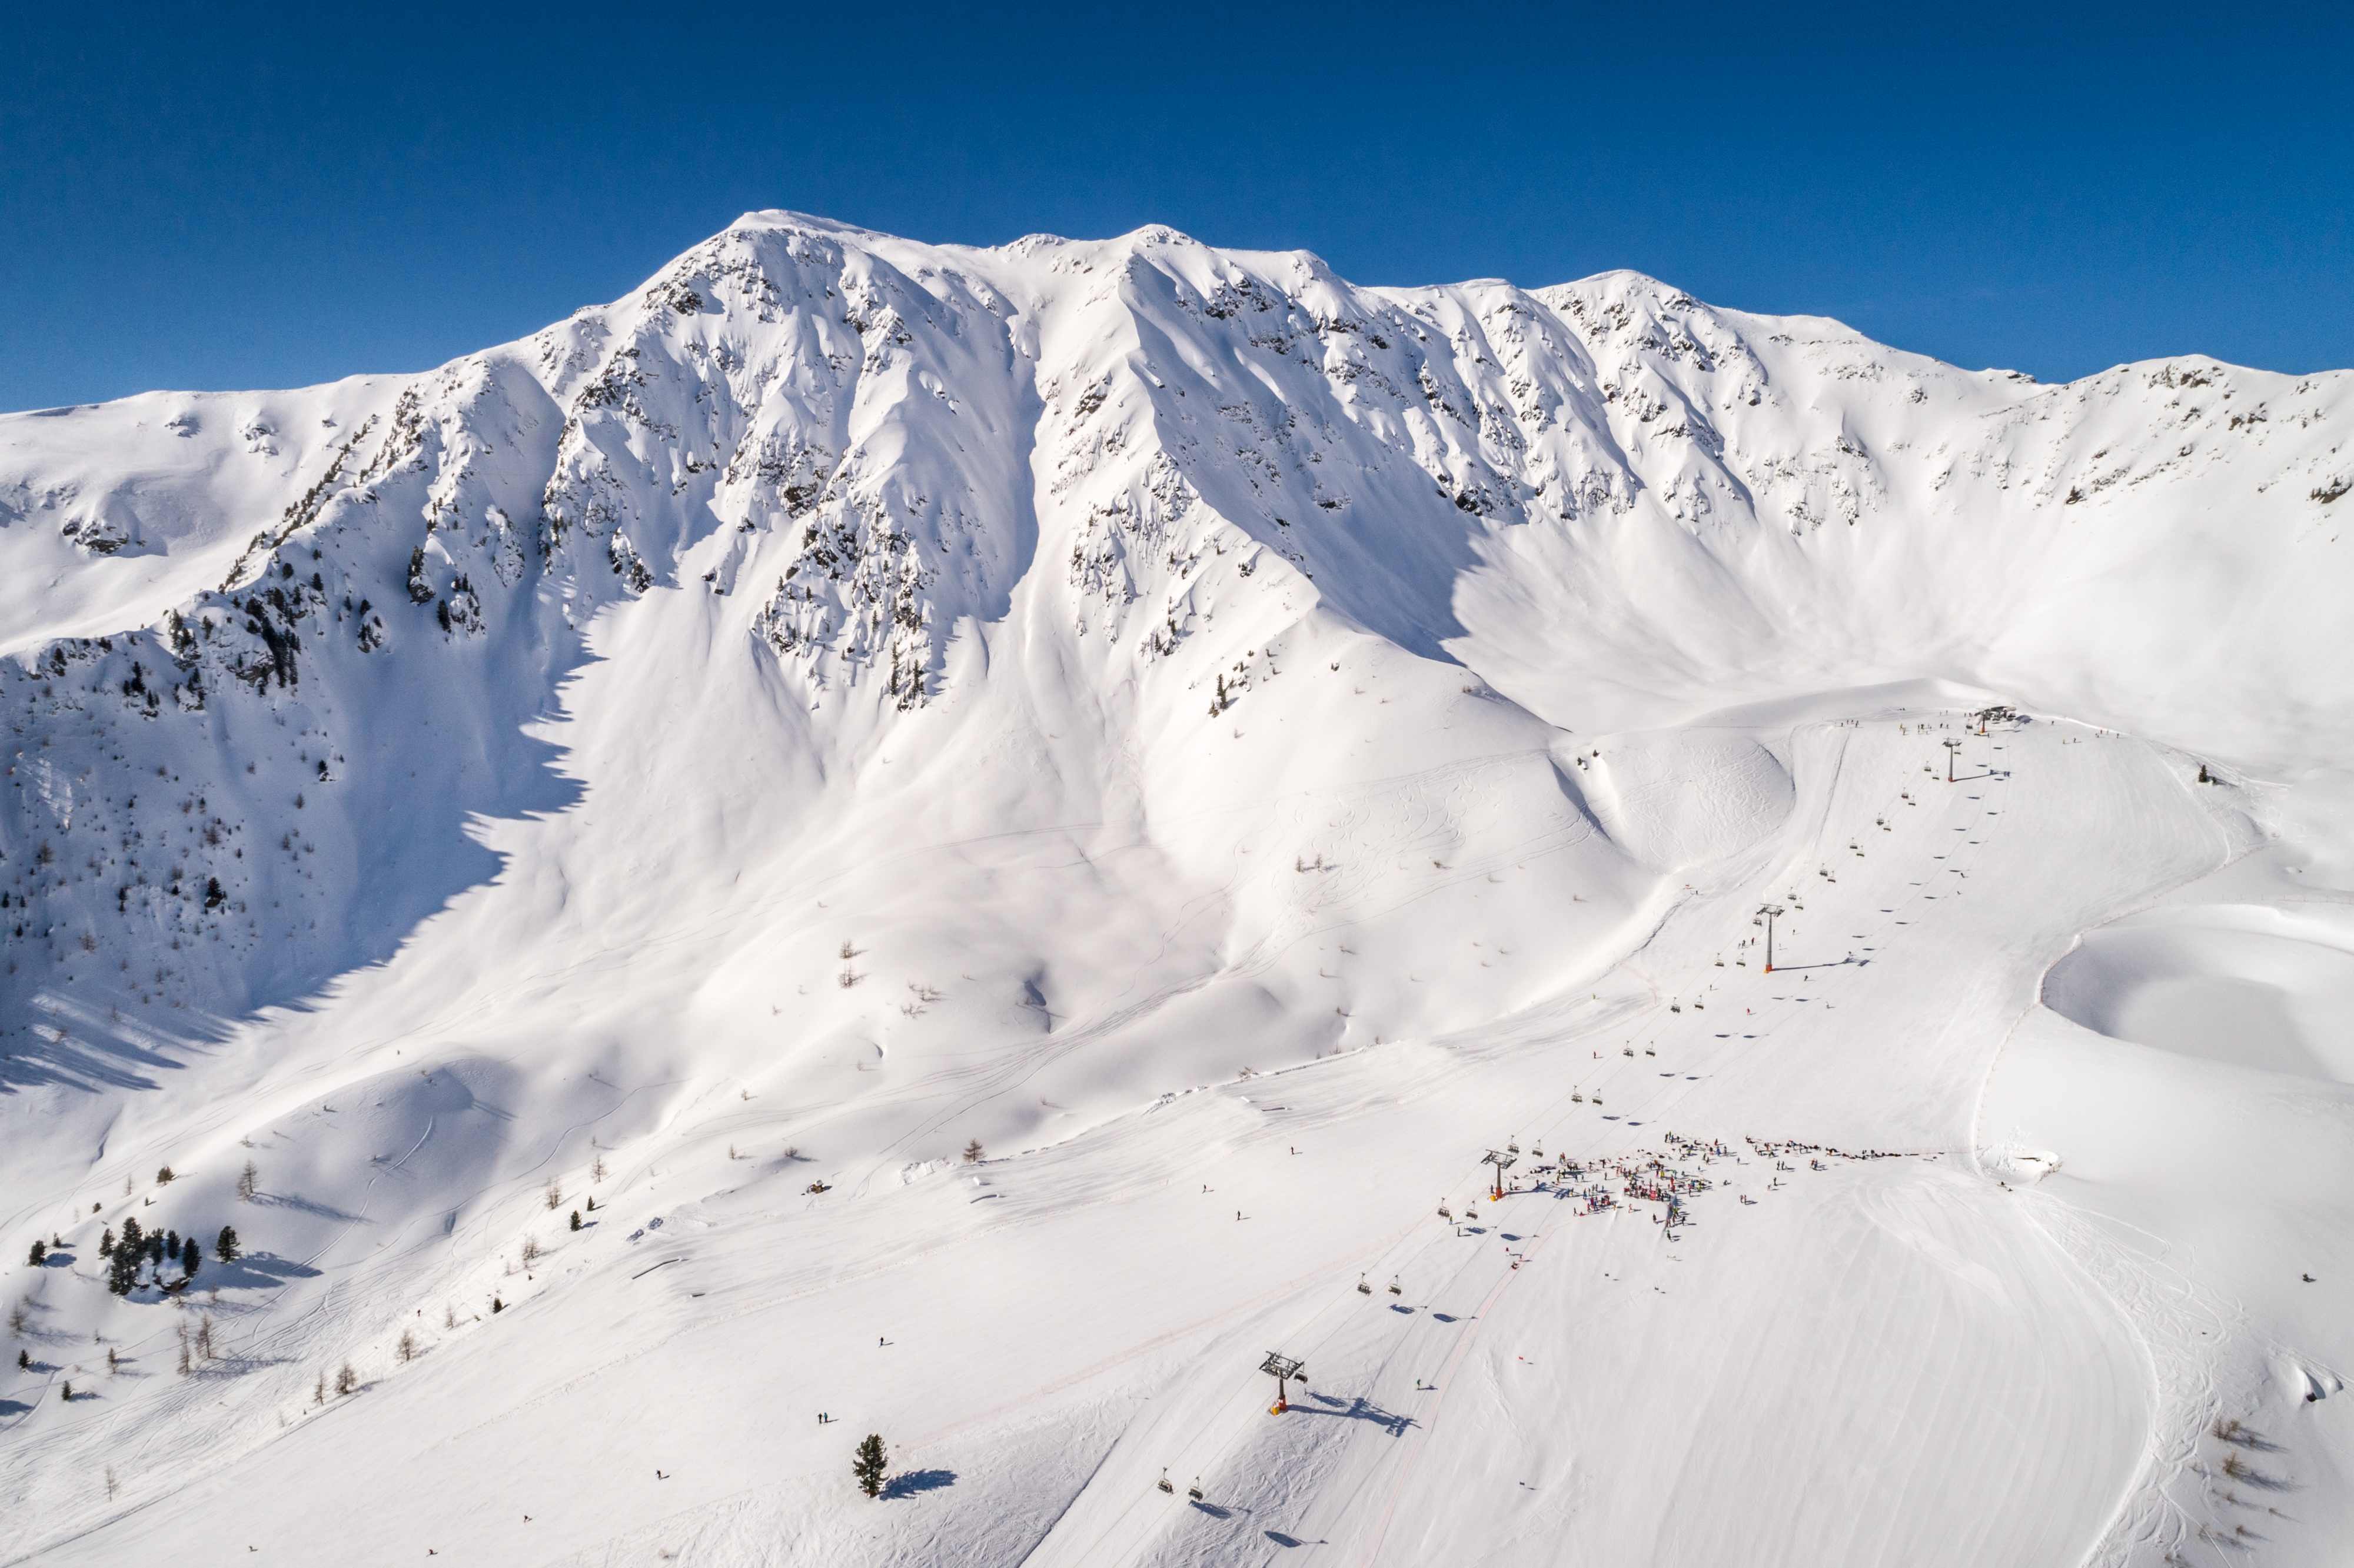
x=1163, y=1482
x=1363, y=1289
x=1194, y=1491
x=1396, y=1290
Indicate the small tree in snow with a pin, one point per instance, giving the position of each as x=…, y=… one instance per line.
x=575, y=1219
x=973, y=1152
x=225, y=1246
x=248, y=1182
x=406, y=1349
x=530, y=1251
x=555, y=1194
x=40, y=1254
x=869, y=1464
x=346, y=1379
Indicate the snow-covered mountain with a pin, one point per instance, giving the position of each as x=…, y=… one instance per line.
x=856, y=697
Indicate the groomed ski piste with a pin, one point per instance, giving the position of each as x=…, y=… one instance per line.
x=1010, y=1061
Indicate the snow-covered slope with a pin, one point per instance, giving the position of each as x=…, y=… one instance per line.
x=856, y=697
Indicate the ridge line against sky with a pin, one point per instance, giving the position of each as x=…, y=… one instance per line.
x=227, y=200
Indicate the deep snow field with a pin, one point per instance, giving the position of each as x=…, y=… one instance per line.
x=1241, y=747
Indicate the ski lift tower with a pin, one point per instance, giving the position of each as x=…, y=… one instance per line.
x=1282, y=1367
x=1502, y=1162
x=1953, y=749
x=1767, y=912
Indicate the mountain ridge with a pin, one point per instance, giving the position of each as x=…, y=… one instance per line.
x=895, y=432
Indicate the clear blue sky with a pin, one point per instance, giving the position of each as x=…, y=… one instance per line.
x=217, y=196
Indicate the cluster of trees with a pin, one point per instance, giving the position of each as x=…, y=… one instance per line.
x=136, y=1251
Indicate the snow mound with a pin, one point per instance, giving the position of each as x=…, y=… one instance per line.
x=2247, y=985
x=1683, y=797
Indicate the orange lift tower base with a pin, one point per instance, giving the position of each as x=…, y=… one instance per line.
x=1282, y=1367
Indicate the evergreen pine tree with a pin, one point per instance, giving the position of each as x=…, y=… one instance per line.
x=24, y=1361
x=172, y=1245
x=40, y=1254
x=106, y=1241
x=576, y=1223
x=155, y=1251
x=191, y=1254
x=868, y=1465
x=122, y=1273
x=69, y=1391
x=225, y=1244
